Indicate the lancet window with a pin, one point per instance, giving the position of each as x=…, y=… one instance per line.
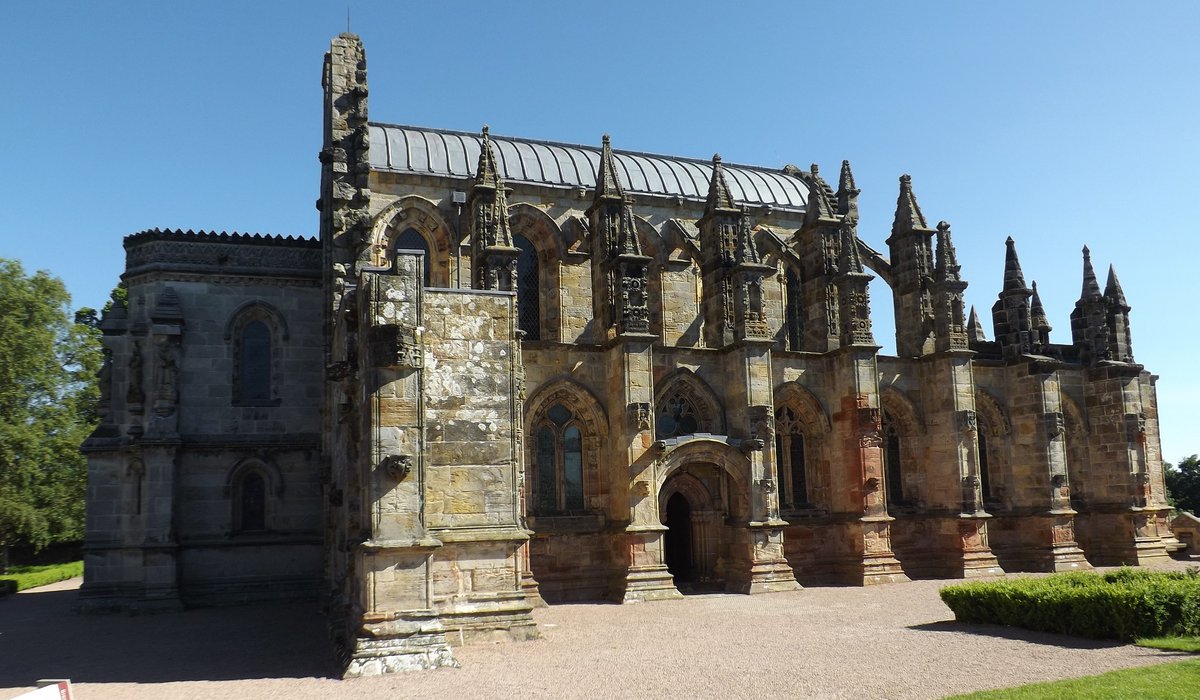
x=411, y=239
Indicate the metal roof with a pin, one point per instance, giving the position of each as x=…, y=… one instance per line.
x=409, y=149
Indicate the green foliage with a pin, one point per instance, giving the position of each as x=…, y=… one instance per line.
x=1180, y=680
x=34, y=576
x=48, y=406
x=1190, y=645
x=1123, y=604
x=1183, y=483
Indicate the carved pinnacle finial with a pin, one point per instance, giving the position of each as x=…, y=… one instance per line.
x=1091, y=287
x=975, y=328
x=847, y=194
x=1112, y=290
x=814, y=169
x=718, y=190
x=485, y=130
x=908, y=212
x=1037, y=313
x=608, y=185
x=1014, y=278
x=946, y=267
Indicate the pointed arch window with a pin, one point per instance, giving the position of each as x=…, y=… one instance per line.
x=892, y=461
x=677, y=415
x=254, y=364
x=985, y=479
x=411, y=239
x=790, y=459
x=558, y=453
x=529, y=307
x=793, y=312
x=250, y=503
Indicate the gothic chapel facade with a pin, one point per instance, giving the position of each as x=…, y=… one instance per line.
x=512, y=371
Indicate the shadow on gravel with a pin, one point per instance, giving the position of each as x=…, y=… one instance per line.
x=1047, y=638
x=41, y=637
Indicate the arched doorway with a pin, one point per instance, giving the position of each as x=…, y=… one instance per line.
x=678, y=539
x=692, y=507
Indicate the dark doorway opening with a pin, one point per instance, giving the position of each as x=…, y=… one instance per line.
x=679, y=539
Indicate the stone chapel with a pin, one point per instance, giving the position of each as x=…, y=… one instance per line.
x=512, y=372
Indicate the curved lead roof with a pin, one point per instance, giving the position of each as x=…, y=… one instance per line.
x=408, y=149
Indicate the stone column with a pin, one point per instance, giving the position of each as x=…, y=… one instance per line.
x=1038, y=532
x=764, y=568
x=640, y=561
x=862, y=552
x=953, y=497
x=1125, y=517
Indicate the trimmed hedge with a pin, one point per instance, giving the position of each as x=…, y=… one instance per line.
x=1124, y=604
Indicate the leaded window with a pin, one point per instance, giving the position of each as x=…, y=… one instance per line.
x=529, y=307
x=558, y=453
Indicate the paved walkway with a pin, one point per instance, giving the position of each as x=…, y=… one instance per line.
x=891, y=641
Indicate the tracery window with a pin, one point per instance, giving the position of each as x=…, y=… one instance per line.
x=558, y=453
x=411, y=239
x=529, y=307
x=789, y=457
x=677, y=415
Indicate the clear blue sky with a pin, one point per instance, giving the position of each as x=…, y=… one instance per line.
x=1059, y=124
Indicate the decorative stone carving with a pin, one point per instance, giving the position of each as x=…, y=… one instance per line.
x=762, y=422
x=1055, y=425
x=135, y=395
x=397, y=466
x=639, y=415
x=1135, y=427
x=396, y=345
x=968, y=422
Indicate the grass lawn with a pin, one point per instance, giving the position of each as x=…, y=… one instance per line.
x=1180, y=679
x=1189, y=644
x=34, y=576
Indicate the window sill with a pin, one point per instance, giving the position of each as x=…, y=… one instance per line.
x=562, y=523
x=271, y=403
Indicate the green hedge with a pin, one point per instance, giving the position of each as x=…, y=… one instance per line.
x=24, y=577
x=1124, y=604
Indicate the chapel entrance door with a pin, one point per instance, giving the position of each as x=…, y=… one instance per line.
x=678, y=544
x=691, y=507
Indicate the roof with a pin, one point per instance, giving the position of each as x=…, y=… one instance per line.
x=408, y=149
x=151, y=235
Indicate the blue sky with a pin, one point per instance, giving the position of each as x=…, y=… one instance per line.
x=1059, y=124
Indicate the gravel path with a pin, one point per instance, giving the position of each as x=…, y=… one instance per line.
x=891, y=641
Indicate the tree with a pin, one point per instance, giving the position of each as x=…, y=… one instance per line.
x=48, y=405
x=1183, y=483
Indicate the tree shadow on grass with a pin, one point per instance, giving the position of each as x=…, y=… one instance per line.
x=1063, y=641
x=42, y=637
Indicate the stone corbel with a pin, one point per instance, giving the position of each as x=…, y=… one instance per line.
x=762, y=422
x=1135, y=427
x=397, y=466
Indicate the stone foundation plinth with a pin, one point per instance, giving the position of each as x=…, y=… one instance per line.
x=1130, y=537
x=410, y=641
x=944, y=546
x=1037, y=542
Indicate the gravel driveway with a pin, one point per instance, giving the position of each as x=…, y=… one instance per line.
x=890, y=641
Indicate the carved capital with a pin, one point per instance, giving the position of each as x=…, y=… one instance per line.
x=968, y=422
